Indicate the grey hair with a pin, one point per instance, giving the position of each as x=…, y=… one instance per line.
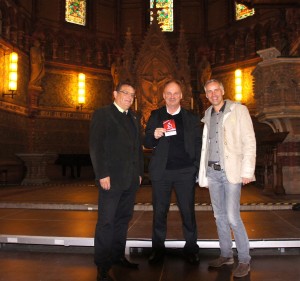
x=214, y=81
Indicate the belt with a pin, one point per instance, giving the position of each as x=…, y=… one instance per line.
x=215, y=166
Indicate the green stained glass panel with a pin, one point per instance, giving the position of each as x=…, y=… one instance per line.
x=76, y=11
x=242, y=12
x=164, y=14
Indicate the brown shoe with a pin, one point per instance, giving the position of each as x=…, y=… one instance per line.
x=220, y=261
x=241, y=270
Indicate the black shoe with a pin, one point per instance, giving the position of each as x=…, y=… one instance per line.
x=104, y=274
x=192, y=258
x=156, y=256
x=126, y=263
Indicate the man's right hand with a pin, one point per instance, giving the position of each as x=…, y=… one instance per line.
x=105, y=183
x=159, y=132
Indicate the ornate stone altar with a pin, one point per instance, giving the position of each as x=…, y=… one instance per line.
x=152, y=67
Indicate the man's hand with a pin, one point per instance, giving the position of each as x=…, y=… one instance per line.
x=159, y=132
x=105, y=183
x=245, y=181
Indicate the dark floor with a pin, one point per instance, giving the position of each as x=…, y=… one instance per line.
x=77, y=265
x=46, y=233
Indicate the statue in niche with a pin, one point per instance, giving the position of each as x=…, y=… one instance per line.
x=115, y=71
x=37, y=64
x=203, y=72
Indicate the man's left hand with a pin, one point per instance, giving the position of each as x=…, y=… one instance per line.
x=245, y=181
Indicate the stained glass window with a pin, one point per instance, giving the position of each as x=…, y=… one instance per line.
x=76, y=11
x=242, y=12
x=164, y=13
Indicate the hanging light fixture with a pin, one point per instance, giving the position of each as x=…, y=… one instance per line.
x=238, y=85
x=12, y=75
x=81, y=90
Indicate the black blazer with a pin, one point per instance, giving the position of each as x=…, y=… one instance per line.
x=192, y=140
x=113, y=150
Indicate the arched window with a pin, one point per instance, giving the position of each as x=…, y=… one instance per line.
x=75, y=11
x=164, y=14
x=242, y=11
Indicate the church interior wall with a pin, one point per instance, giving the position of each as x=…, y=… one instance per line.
x=192, y=20
x=217, y=14
x=49, y=10
x=132, y=16
x=106, y=18
x=209, y=29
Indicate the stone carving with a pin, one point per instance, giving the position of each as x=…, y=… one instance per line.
x=269, y=54
x=37, y=61
x=203, y=72
x=115, y=71
x=154, y=65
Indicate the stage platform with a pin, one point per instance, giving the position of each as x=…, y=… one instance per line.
x=63, y=216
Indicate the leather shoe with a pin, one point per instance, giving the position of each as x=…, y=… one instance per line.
x=156, y=256
x=126, y=263
x=192, y=258
x=104, y=274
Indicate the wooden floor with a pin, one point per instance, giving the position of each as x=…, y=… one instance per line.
x=46, y=233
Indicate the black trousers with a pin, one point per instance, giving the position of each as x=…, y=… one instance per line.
x=115, y=210
x=183, y=181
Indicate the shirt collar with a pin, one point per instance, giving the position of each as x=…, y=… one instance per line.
x=120, y=109
x=176, y=112
x=221, y=109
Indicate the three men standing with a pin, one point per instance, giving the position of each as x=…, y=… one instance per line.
x=227, y=161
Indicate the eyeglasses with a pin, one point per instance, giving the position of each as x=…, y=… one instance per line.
x=127, y=94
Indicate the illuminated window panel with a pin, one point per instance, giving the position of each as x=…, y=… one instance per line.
x=165, y=14
x=242, y=12
x=76, y=11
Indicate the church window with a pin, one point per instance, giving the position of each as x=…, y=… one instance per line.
x=164, y=14
x=242, y=11
x=76, y=11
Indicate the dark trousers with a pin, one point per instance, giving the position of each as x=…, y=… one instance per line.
x=183, y=181
x=115, y=210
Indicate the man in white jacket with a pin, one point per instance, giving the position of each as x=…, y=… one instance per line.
x=227, y=162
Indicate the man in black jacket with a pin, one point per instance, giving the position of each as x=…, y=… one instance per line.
x=117, y=157
x=174, y=135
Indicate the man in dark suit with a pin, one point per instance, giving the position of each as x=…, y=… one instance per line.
x=117, y=158
x=174, y=135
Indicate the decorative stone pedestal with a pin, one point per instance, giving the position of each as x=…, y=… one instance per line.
x=34, y=93
x=36, y=167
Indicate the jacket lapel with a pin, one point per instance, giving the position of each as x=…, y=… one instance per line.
x=117, y=118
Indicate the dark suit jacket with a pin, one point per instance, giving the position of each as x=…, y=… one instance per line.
x=192, y=140
x=113, y=150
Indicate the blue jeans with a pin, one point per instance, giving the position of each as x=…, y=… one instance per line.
x=225, y=199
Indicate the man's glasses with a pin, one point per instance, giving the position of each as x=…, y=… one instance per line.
x=132, y=95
